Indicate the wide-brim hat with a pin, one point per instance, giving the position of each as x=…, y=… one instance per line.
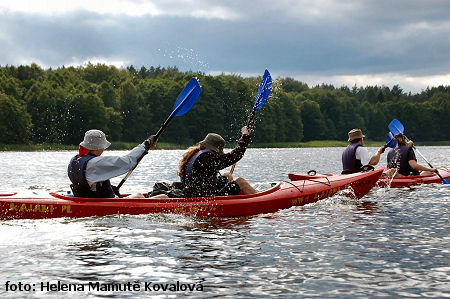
x=355, y=134
x=213, y=142
x=95, y=140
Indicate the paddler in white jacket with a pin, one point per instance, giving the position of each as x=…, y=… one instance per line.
x=90, y=172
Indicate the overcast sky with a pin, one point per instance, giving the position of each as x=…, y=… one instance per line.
x=372, y=42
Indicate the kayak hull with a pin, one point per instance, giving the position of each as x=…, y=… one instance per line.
x=283, y=195
x=408, y=181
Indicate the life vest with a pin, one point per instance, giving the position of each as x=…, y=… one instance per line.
x=199, y=184
x=398, y=158
x=349, y=161
x=80, y=187
x=189, y=167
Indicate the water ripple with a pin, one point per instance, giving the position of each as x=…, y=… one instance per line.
x=392, y=243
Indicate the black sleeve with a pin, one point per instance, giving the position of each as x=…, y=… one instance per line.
x=213, y=162
x=411, y=155
x=235, y=155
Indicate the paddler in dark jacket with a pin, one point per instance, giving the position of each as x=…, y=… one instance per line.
x=200, y=165
x=356, y=155
x=404, y=161
x=90, y=172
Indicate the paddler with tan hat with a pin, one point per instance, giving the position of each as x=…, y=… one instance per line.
x=356, y=155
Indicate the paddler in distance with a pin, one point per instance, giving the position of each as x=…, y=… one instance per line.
x=402, y=160
x=356, y=155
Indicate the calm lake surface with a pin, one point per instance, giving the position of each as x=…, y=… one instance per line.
x=393, y=243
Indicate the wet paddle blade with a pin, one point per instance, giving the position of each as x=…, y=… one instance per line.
x=263, y=91
x=396, y=127
x=261, y=97
x=187, y=98
x=184, y=102
x=390, y=141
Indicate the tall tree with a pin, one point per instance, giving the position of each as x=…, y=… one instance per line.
x=86, y=112
x=15, y=122
x=313, y=121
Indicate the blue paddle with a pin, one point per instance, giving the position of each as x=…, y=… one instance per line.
x=390, y=141
x=261, y=98
x=396, y=127
x=183, y=104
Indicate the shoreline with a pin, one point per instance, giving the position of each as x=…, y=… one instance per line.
x=171, y=146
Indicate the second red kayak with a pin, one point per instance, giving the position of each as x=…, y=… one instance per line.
x=407, y=181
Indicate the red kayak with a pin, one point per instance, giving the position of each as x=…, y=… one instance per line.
x=301, y=190
x=406, y=181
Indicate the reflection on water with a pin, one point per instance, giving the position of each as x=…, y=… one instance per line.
x=392, y=243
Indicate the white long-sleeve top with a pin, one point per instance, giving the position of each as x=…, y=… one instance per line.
x=103, y=168
x=362, y=154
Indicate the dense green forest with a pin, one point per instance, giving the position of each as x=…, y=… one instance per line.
x=59, y=105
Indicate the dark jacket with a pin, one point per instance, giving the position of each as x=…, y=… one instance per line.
x=399, y=158
x=349, y=161
x=204, y=179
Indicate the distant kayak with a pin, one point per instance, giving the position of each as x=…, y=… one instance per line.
x=406, y=181
x=301, y=190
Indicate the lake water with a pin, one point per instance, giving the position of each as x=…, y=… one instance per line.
x=392, y=243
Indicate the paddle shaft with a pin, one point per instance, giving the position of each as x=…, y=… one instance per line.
x=183, y=104
x=251, y=120
x=261, y=97
x=429, y=164
x=160, y=131
x=250, y=123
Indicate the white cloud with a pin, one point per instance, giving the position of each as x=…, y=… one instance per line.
x=406, y=82
x=131, y=8
x=50, y=7
x=97, y=60
x=313, y=11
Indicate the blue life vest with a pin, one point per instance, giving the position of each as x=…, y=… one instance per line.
x=80, y=187
x=398, y=158
x=349, y=160
x=189, y=167
x=197, y=183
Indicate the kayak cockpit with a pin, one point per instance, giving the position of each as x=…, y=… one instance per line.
x=125, y=197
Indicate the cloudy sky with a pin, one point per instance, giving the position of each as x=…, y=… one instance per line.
x=341, y=42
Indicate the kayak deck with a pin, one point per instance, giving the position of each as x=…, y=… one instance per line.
x=407, y=181
x=282, y=196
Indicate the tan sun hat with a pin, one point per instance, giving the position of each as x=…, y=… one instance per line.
x=355, y=134
x=213, y=142
x=95, y=140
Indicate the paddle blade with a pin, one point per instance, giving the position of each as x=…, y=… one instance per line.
x=187, y=98
x=390, y=140
x=396, y=127
x=263, y=91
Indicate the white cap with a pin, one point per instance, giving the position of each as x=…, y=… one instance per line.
x=95, y=140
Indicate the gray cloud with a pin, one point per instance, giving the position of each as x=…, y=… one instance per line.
x=322, y=38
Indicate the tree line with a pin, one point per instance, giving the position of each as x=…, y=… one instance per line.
x=129, y=104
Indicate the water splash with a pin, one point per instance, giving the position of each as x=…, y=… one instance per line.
x=187, y=59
